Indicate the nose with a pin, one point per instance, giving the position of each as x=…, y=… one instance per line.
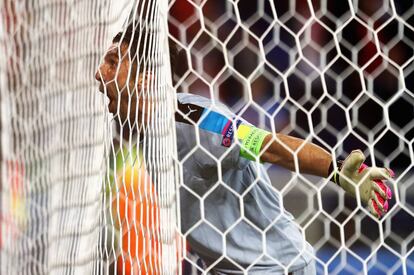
x=98, y=75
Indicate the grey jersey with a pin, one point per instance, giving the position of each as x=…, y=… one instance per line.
x=229, y=210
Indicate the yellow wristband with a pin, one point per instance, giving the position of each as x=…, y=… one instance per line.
x=242, y=131
x=252, y=139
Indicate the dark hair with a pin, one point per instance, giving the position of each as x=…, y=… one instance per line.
x=138, y=38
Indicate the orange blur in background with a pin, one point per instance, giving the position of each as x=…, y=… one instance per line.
x=136, y=215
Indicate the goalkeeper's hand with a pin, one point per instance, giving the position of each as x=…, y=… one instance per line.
x=369, y=180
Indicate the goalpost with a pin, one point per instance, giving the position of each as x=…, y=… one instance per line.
x=75, y=197
x=80, y=193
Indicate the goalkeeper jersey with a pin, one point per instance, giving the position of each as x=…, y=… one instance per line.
x=228, y=206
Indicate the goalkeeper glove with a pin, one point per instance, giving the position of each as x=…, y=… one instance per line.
x=369, y=180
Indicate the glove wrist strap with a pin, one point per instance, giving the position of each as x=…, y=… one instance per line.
x=335, y=176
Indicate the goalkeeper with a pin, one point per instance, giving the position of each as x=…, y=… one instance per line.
x=239, y=148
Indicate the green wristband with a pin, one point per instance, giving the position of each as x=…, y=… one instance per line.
x=252, y=143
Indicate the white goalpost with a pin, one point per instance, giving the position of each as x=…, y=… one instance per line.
x=66, y=207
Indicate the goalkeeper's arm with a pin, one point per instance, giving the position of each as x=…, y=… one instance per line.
x=350, y=174
x=312, y=159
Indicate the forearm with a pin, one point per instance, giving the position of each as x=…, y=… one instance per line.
x=312, y=159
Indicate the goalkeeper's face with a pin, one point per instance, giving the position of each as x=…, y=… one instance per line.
x=122, y=84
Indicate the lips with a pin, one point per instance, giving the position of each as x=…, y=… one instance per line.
x=101, y=88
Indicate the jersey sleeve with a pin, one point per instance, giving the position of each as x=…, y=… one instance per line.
x=214, y=135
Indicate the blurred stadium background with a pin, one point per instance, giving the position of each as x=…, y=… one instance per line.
x=278, y=62
x=302, y=78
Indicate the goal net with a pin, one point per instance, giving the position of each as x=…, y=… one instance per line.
x=90, y=175
x=335, y=73
x=81, y=192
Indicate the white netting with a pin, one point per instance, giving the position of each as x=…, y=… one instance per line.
x=81, y=192
x=336, y=73
x=140, y=234
x=62, y=194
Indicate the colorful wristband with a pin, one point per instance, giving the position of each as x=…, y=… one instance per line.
x=251, y=140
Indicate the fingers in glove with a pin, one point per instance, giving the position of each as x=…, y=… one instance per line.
x=381, y=188
x=380, y=201
x=385, y=188
x=376, y=173
x=373, y=208
x=353, y=162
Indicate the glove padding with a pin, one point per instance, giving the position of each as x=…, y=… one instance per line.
x=369, y=180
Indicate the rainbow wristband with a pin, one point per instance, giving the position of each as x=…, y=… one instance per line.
x=251, y=140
